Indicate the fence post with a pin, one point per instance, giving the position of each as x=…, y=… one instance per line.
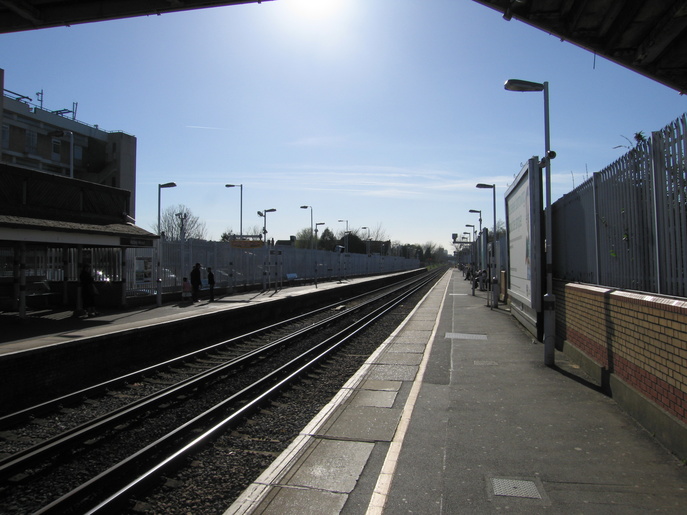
x=656, y=169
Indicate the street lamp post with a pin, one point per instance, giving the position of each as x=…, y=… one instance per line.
x=317, y=224
x=312, y=233
x=182, y=236
x=159, y=241
x=549, y=297
x=265, y=270
x=473, y=231
x=491, y=266
x=345, y=247
x=480, y=217
x=241, y=207
x=367, y=251
x=345, y=236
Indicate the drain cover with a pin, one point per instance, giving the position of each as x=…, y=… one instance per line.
x=515, y=488
x=466, y=336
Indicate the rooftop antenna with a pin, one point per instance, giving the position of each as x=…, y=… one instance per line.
x=39, y=97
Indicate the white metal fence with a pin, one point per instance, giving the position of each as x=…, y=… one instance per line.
x=249, y=267
x=626, y=227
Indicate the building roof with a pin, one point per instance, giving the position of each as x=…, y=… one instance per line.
x=34, y=230
x=649, y=37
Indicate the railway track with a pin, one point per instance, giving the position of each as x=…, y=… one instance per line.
x=196, y=398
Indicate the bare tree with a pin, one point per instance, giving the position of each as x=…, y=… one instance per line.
x=175, y=218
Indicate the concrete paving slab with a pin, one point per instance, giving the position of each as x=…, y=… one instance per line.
x=364, y=423
x=417, y=348
x=417, y=338
x=399, y=358
x=373, y=384
x=419, y=325
x=303, y=501
x=393, y=372
x=377, y=399
x=333, y=465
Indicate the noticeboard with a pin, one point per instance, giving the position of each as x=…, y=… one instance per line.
x=524, y=228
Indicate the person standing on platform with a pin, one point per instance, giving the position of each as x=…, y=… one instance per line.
x=88, y=290
x=195, y=281
x=211, y=284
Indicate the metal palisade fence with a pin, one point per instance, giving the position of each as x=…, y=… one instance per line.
x=246, y=268
x=626, y=226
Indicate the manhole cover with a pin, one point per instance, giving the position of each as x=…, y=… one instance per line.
x=515, y=488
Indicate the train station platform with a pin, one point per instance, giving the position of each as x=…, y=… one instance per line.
x=457, y=414
x=43, y=328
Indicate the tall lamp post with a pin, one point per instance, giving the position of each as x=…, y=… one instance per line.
x=265, y=272
x=480, y=217
x=159, y=241
x=263, y=214
x=473, y=231
x=549, y=297
x=345, y=236
x=317, y=224
x=241, y=207
x=494, y=301
x=312, y=232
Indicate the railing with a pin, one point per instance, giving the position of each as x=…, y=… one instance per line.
x=626, y=227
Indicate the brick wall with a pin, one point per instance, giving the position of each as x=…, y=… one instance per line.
x=641, y=339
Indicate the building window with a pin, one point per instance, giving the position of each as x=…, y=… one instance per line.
x=56, y=150
x=5, y=136
x=31, y=142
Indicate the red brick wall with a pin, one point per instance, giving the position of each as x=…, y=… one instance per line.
x=640, y=338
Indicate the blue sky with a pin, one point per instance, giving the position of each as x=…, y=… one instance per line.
x=385, y=113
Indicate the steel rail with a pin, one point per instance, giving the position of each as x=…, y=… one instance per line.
x=72, y=437
x=267, y=386
x=13, y=418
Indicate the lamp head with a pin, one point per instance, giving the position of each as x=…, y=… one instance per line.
x=481, y=185
x=260, y=213
x=522, y=85
x=168, y=185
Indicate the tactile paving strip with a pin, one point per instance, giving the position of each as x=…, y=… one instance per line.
x=515, y=488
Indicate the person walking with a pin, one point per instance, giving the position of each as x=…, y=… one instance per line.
x=211, y=284
x=195, y=281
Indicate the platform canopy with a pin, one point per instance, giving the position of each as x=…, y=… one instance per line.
x=647, y=36
x=21, y=15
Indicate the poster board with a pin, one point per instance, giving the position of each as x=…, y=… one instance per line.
x=524, y=228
